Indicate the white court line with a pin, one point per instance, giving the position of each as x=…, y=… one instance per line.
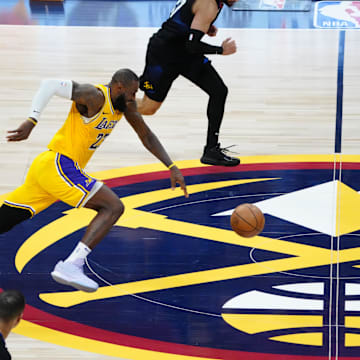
x=146, y=299
x=337, y=262
x=331, y=257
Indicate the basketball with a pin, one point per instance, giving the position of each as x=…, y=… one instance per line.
x=247, y=220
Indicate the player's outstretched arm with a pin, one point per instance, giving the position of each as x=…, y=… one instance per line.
x=88, y=98
x=48, y=88
x=152, y=143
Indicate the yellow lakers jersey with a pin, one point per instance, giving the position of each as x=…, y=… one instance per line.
x=79, y=137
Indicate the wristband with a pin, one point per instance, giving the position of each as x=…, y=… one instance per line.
x=32, y=120
x=171, y=165
x=194, y=45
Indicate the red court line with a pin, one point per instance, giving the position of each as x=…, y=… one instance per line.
x=133, y=179
x=42, y=318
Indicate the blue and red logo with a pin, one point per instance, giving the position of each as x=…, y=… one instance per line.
x=337, y=14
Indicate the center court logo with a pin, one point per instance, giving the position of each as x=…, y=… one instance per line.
x=337, y=14
x=174, y=278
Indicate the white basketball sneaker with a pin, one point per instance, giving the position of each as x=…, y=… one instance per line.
x=69, y=274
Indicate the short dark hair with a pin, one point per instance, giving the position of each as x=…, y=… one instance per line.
x=12, y=304
x=125, y=77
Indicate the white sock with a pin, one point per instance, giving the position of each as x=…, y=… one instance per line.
x=77, y=257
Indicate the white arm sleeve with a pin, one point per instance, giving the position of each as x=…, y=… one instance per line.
x=49, y=88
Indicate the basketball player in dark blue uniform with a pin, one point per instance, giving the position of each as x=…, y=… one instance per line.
x=176, y=49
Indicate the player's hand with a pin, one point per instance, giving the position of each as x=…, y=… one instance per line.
x=212, y=30
x=177, y=178
x=229, y=46
x=21, y=133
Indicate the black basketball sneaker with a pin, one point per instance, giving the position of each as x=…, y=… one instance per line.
x=218, y=156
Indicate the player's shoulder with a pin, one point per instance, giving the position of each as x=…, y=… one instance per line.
x=85, y=93
x=85, y=88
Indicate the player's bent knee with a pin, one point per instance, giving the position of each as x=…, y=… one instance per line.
x=118, y=209
x=148, y=110
x=222, y=91
x=148, y=106
x=114, y=209
x=11, y=216
x=219, y=92
x=225, y=90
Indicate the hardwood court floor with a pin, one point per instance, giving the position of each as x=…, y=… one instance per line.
x=282, y=100
x=282, y=93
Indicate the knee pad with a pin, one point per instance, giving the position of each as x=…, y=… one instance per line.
x=11, y=216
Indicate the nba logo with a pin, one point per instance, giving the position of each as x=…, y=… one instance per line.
x=337, y=14
x=273, y=4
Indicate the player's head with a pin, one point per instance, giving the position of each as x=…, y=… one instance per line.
x=230, y=2
x=123, y=87
x=12, y=304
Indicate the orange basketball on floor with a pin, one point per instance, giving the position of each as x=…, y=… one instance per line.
x=247, y=220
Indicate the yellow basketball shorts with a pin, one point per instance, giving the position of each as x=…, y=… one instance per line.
x=53, y=177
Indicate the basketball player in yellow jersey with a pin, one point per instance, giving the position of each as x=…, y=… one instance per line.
x=57, y=174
